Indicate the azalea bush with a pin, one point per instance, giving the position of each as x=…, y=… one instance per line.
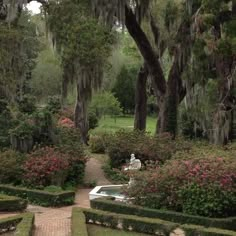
x=144, y=146
x=45, y=167
x=204, y=187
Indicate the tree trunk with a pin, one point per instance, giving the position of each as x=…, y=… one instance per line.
x=222, y=120
x=141, y=99
x=81, y=116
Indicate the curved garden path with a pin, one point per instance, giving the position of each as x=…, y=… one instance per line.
x=56, y=221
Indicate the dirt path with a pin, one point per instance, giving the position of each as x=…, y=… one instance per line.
x=94, y=172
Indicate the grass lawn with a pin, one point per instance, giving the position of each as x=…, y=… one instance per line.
x=94, y=230
x=109, y=124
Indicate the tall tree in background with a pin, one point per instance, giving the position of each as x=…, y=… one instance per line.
x=84, y=46
x=214, y=60
x=18, y=51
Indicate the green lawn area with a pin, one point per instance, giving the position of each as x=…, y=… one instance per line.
x=94, y=230
x=109, y=124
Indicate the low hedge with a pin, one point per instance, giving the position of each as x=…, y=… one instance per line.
x=26, y=226
x=78, y=224
x=134, y=223
x=194, y=230
x=10, y=203
x=39, y=197
x=23, y=223
x=107, y=204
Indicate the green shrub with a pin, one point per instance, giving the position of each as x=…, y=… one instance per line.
x=204, y=187
x=11, y=167
x=10, y=203
x=193, y=230
x=93, y=120
x=40, y=197
x=21, y=135
x=27, y=104
x=115, y=175
x=210, y=200
x=98, y=143
x=138, y=224
x=69, y=143
x=54, y=104
x=144, y=146
x=6, y=123
x=78, y=225
x=24, y=224
x=44, y=127
x=107, y=204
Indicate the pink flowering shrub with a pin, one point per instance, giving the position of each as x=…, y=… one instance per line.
x=204, y=186
x=45, y=167
x=66, y=122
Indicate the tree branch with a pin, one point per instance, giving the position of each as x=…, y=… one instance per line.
x=146, y=50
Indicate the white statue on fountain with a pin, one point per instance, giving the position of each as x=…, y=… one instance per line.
x=135, y=164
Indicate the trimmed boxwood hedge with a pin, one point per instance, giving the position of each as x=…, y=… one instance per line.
x=78, y=224
x=23, y=223
x=194, y=230
x=137, y=224
x=10, y=203
x=107, y=204
x=39, y=197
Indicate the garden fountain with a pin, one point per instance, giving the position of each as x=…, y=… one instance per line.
x=116, y=190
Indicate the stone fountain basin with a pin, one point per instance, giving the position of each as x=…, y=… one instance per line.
x=107, y=191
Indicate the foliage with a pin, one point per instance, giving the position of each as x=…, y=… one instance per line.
x=116, y=176
x=124, y=88
x=45, y=167
x=98, y=142
x=11, y=167
x=54, y=104
x=110, y=205
x=195, y=186
x=6, y=123
x=143, y=145
x=47, y=75
x=10, y=203
x=138, y=224
x=69, y=143
x=93, y=120
x=17, y=54
x=208, y=201
x=23, y=223
x=40, y=197
x=27, y=104
x=105, y=104
x=44, y=127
